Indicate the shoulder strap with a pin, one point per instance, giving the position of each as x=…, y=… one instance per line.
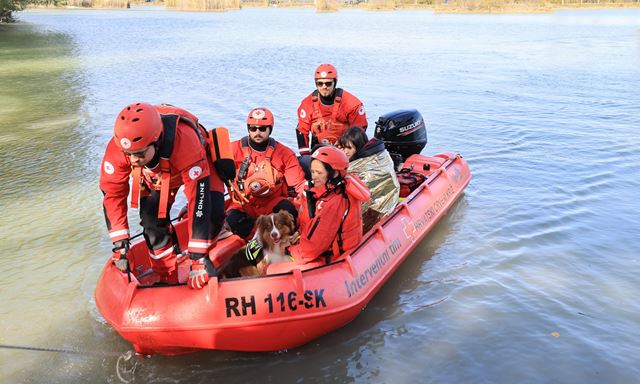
x=135, y=186
x=336, y=104
x=339, y=240
x=316, y=103
x=344, y=217
x=169, y=124
x=338, y=98
x=245, y=146
x=270, y=148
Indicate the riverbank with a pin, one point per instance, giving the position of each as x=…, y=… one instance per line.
x=463, y=6
x=494, y=7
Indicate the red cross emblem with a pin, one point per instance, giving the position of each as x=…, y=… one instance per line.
x=408, y=228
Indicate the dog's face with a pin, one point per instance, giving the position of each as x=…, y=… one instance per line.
x=275, y=229
x=275, y=232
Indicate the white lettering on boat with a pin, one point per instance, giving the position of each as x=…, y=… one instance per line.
x=361, y=280
x=395, y=245
x=431, y=213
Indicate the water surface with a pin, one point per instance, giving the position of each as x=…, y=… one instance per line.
x=531, y=277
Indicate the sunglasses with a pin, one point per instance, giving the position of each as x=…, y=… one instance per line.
x=262, y=128
x=324, y=84
x=139, y=154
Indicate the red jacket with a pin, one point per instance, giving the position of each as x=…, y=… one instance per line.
x=328, y=122
x=336, y=227
x=188, y=165
x=285, y=163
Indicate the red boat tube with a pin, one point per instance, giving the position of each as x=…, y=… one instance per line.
x=278, y=311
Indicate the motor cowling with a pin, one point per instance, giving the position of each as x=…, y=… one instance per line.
x=403, y=133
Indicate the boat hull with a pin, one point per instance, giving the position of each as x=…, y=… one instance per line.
x=280, y=311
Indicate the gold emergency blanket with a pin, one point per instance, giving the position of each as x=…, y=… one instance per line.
x=377, y=172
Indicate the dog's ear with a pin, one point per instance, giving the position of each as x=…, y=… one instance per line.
x=263, y=226
x=285, y=216
x=262, y=222
x=286, y=219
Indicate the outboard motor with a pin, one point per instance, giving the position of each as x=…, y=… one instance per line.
x=403, y=133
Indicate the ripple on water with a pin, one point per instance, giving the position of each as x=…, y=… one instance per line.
x=545, y=239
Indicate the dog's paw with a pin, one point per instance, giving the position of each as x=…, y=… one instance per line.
x=295, y=238
x=262, y=266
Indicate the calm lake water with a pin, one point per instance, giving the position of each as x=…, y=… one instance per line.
x=531, y=277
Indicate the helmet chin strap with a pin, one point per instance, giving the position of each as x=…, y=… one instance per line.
x=335, y=181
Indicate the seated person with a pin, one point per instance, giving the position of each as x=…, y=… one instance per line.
x=330, y=211
x=265, y=171
x=372, y=163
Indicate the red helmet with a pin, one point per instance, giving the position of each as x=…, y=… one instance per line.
x=334, y=157
x=326, y=71
x=260, y=116
x=137, y=126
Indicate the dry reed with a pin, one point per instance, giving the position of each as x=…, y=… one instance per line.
x=381, y=5
x=202, y=5
x=327, y=6
x=97, y=3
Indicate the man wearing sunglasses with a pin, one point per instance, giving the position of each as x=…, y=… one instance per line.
x=327, y=112
x=266, y=170
x=162, y=148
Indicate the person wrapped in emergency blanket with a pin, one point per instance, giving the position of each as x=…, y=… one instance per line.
x=372, y=163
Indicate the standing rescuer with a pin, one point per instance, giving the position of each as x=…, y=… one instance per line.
x=162, y=148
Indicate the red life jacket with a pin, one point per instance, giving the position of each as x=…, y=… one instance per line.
x=350, y=231
x=258, y=180
x=216, y=143
x=327, y=131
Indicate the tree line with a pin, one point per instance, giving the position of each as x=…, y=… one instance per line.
x=7, y=7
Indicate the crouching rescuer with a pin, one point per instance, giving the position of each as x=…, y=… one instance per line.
x=162, y=148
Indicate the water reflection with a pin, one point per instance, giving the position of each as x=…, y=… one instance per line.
x=44, y=203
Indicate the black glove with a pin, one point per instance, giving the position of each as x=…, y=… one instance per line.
x=119, y=257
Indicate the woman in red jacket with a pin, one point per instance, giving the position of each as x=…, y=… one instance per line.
x=330, y=212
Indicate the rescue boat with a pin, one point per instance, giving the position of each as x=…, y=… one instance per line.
x=275, y=311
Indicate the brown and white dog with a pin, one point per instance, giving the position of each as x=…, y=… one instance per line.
x=275, y=232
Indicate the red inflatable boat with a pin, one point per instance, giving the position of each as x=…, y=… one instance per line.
x=280, y=311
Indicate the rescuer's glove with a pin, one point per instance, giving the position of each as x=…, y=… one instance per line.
x=119, y=256
x=202, y=270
